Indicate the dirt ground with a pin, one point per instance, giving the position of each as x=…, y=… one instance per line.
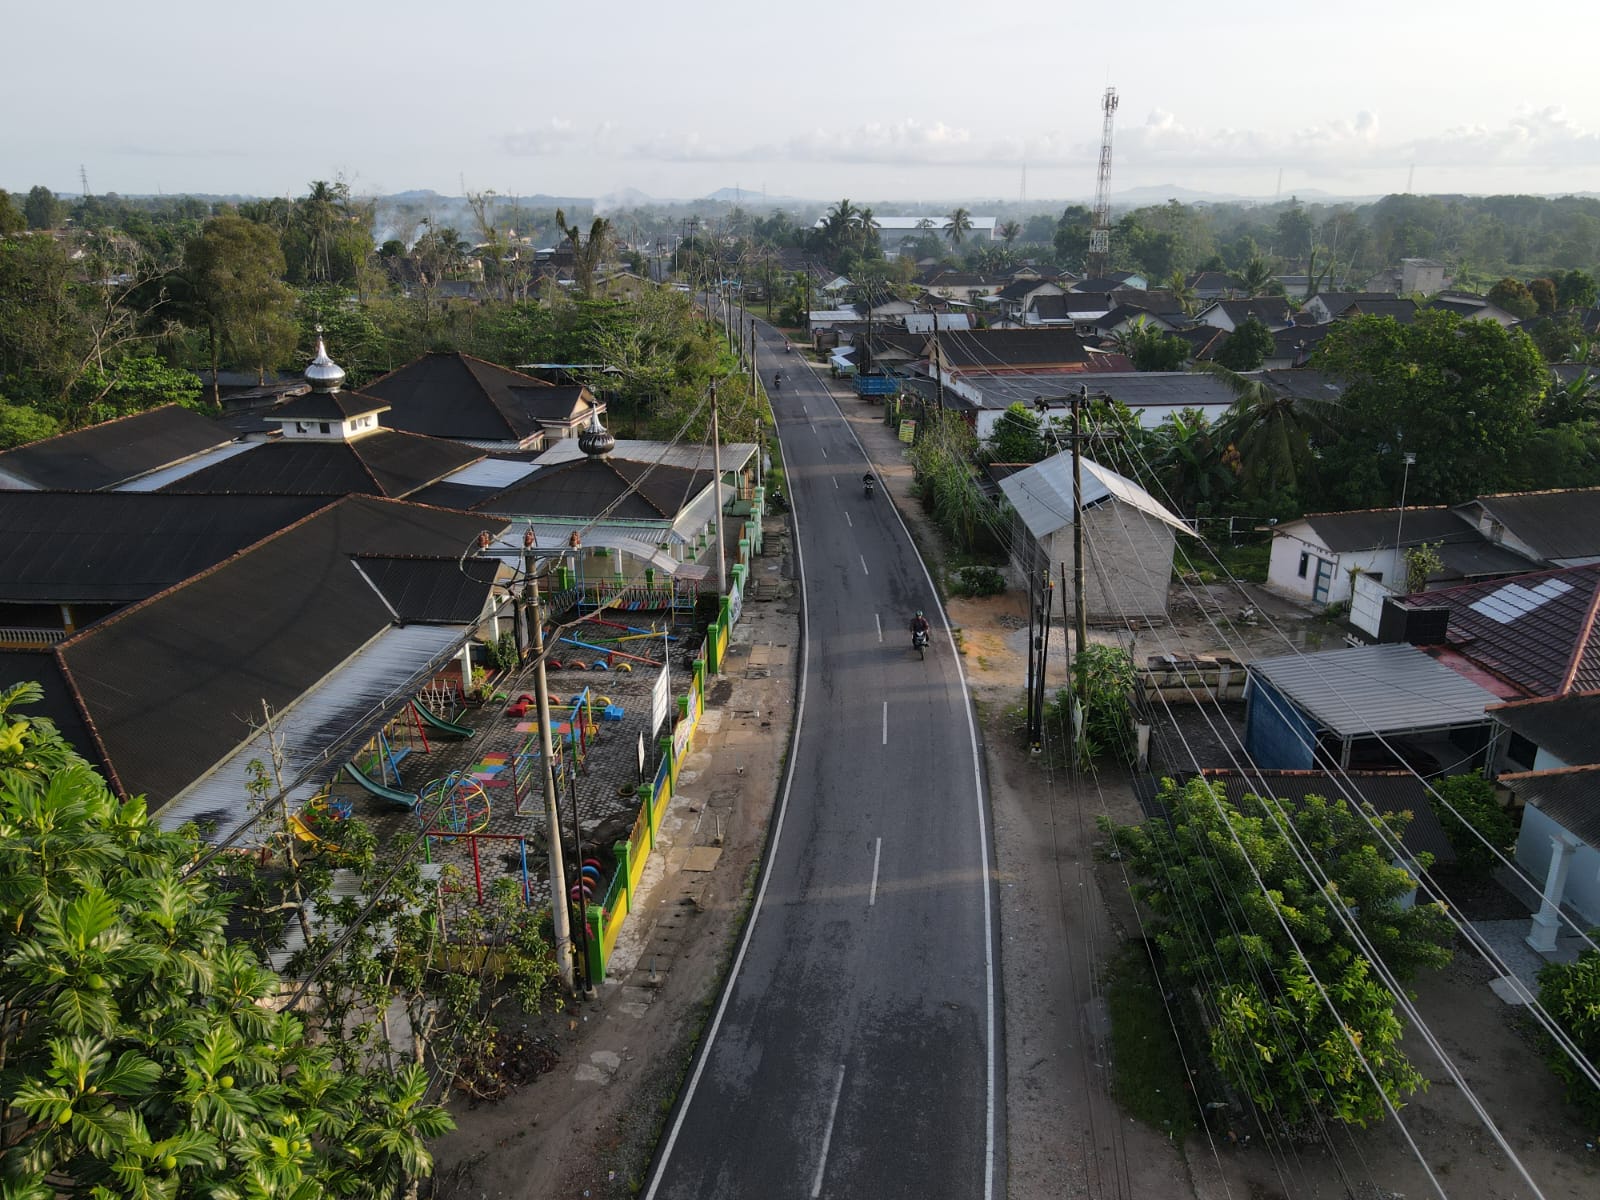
x=587, y=1127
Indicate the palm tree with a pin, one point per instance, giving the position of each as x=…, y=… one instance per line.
x=1010, y=231
x=587, y=255
x=1255, y=277
x=1273, y=435
x=959, y=224
x=1183, y=293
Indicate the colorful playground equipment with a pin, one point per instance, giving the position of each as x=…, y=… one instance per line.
x=455, y=803
x=317, y=816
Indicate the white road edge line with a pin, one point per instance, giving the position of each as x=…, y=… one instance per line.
x=863, y=559
x=877, y=852
x=885, y=722
x=778, y=816
x=983, y=841
x=827, y=1138
x=878, y=621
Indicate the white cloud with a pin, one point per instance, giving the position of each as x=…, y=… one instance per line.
x=552, y=136
x=1544, y=137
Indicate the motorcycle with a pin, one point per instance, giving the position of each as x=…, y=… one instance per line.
x=778, y=502
x=869, y=487
x=919, y=642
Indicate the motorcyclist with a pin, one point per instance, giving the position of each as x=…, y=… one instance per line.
x=919, y=626
x=777, y=381
x=867, y=481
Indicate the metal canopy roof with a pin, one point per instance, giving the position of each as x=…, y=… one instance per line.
x=1386, y=689
x=1042, y=494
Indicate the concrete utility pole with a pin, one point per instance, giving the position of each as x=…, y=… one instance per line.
x=716, y=467
x=562, y=926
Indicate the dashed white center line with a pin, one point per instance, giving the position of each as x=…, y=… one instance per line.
x=827, y=1138
x=848, y=521
x=878, y=621
x=824, y=451
x=863, y=559
x=877, y=851
x=885, y=722
x=836, y=482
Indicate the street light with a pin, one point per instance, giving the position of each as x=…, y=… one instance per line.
x=1399, y=527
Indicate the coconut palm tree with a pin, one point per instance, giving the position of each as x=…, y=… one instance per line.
x=1183, y=293
x=1010, y=231
x=1273, y=435
x=1255, y=277
x=959, y=224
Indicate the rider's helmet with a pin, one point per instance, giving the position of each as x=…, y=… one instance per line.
x=919, y=612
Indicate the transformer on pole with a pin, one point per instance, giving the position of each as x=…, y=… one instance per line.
x=1100, y=234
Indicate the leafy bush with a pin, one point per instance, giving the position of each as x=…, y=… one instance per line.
x=1570, y=992
x=1108, y=721
x=979, y=580
x=1475, y=812
x=505, y=653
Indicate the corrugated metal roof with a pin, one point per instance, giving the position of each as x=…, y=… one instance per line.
x=1566, y=726
x=493, y=473
x=1042, y=494
x=316, y=732
x=1376, y=689
x=157, y=480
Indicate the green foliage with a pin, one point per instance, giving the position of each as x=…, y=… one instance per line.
x=21, y=424
x=142, y=1058
x=1422, y=563
x=1575, y=289
x=12, y=219
x=1105, y=675
x=137, y=383
x=1513, y=296
x=1018, y=436
x=1464, y=393
x=1543, y=292
x=978, y=579
x=1153, y=349
x=1471, y=816
x=1247, y=347
x=1570, y=992
x=942, y=458
x=43, y=209
x=1240, y=918
x=234, y=273
x=506, y=657
x=1149, y=1076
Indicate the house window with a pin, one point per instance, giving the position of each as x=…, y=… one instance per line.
x=1305, y=562
x=324, y=427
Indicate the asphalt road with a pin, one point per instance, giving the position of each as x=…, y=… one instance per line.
x=856, y=1050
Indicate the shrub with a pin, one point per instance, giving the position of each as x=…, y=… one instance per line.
x=1467, y=808
x=1570, y=992
x=979, y=580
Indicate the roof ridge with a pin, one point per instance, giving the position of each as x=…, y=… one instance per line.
x=102, y=424
x=633, y=485
x=75, y=694
x=1580, y=646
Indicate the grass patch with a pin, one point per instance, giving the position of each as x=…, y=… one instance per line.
x=1147, y=1072
x=1247, y=562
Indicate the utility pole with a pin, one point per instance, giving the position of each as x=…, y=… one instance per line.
x=716, y=468
x=562, y=927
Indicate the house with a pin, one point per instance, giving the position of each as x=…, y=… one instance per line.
x=925, y=323
x=67, y=559
x=1271, y=311
x=1320, y=557
x=1014, y=352
x=1292, y=348
x=1471, y=308
x=960, y=285
x=1152, y=395
x=1559, y=839
x=1358, y=707
x=1125, y=316
x=1211, y=285
x=114, y=454
x=1413, y=277
x=331, y=623
x=331, y=444
x=1561, y=528
x=1016, y=298
x=639, y=507
x=1082, y=311
x=1531, y=635
x=1326, y=306
x=1132, y=535
x=465, y=399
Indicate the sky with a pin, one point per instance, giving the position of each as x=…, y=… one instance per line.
x=929, y=101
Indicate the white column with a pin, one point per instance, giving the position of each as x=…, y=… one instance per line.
x=1547, y=921
x=466, y=670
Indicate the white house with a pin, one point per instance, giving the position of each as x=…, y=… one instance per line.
x=1128, y=536
x=1271, y=311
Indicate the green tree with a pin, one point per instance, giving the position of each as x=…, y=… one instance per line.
x=1463, y=394
x=957, y=226
x=1071, y=237
x=1009, y=231
x=1247, y=347
x=1297, y=1013
x=22, y=423
x=1018, y=437
x=1152, y=349
x=1472, y=817
x=142, y=1058
x=234, y=271
x=1295, y=230
x=1570, y=993
x=587, y=253
x=1273, y=437
x=1575, y=289
x=12, y=219
x=1255, y=277
x=1513, y=296
x=43, y=209
x=139, y=382
x=1543, y=292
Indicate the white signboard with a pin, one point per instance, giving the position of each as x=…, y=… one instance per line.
x=735, y=606
x=660, y=701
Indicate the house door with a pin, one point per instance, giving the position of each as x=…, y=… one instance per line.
x=1319, y=592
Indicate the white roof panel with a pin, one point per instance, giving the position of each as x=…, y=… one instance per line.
x=1042, y=494
x=491, y=472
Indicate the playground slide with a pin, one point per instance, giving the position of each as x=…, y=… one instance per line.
x=448, y=728
x=406, y=800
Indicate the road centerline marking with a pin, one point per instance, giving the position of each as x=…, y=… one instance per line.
x=863, y=559
x=824, y=450
x=877, y=853
x=847, y=519
x=878, y=621
x=827, y=1137
x=885, y=722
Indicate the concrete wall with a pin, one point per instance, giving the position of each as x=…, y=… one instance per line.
x=1583, y=876
x=1283, y=567
x=1277, y=736
x=1127, y=567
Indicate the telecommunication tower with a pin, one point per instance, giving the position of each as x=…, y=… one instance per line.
x=1100, y=234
